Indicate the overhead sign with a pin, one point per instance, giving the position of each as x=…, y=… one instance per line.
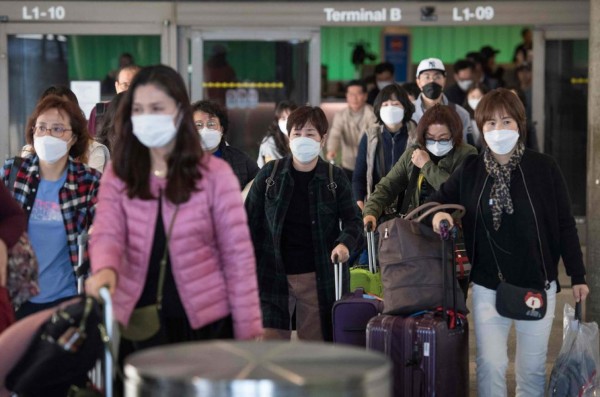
x=363, y=15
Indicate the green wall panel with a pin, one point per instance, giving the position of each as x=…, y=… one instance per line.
x=92, y=57
x=337, y=44
x=251, y=60
x=447, y=43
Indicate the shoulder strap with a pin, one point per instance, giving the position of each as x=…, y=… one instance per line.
x=331, y=185
x=409, y=192
x=270, y=181
x=380, y=156
x=14, y=170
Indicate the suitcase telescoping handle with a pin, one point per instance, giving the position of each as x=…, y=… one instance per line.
x=337, y=274
x=371, y=253
x=108, y=352
x=448, y=234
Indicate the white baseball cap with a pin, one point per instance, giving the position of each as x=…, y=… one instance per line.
x=431, y=64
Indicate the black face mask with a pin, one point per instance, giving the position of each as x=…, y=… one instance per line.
x=432, y=90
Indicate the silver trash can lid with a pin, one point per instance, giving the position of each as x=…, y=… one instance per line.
x=224, y=368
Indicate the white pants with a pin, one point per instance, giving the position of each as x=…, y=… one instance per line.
x=491, y=331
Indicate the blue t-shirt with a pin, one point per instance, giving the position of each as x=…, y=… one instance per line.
x=49, y=240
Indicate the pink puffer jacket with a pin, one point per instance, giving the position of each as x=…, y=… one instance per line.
x=211, y=251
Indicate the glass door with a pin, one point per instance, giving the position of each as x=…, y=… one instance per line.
x=249, y=73
x=565, y=124
x=37, y=61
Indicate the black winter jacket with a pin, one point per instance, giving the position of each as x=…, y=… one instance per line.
x=516, y=244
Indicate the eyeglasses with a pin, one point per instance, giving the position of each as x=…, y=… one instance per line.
x=56, y=131
x=431, y=77
x=209, y=124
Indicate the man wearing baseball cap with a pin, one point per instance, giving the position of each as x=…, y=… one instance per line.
x=431, y=79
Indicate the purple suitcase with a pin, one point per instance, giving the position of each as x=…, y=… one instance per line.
x=430, y=358
x=351, y=315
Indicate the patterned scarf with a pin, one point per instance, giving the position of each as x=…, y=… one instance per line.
x=500, y=194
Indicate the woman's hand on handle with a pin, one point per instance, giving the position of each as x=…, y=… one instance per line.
x=369, y=220
x=440, y=216
x=341, y=253
x=103, y=278
x=580, y=292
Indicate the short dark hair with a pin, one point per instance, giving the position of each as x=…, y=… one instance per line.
x=60, y=90
x=358, y=83
x=412, y=88
x=307, y=114
x=384, y=67
x=475, y=57
x=444, y=115
x=400, y=93
x=214, y=109
x=502, y=100
x=76, y=119
x=131, y=160
x=463, y=64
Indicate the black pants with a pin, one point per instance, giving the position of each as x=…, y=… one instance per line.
x=29, y=308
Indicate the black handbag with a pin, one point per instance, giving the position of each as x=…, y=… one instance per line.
x=413, y=268
x=62, y=352
x=512, y=301
x=520, y=303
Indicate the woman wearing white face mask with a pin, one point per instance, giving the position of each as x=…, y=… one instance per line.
x=58, y=195
x=275, y=144
x=473, y=97
x=294, y=208
x=171, y=226
x=212, y=124
x=517, y=227
x=422, y=168
x=383, y=144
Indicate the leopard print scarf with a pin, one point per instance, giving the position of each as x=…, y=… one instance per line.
x=500, y=193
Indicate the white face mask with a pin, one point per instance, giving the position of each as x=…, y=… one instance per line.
x=473, y=102
x=154, y=130
x=501, y=141
x=464, y=84
x=438, y=148
x=391, y=115
x=382, y=84
x=305, y=149
x=210, y=138
x=50, y=149
x=283, y=126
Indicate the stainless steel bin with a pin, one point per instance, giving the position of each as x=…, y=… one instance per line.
x=257, y=369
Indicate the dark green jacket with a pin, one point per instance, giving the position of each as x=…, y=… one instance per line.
x=397, y=180
x=266, y=215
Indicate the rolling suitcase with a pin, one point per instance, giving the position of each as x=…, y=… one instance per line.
x=429, y=350
x=352, y=312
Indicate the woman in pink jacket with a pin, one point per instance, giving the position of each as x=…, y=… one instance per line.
x=171, y=219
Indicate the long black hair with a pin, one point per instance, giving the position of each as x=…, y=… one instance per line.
x=281, y=139
x=131, y=161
